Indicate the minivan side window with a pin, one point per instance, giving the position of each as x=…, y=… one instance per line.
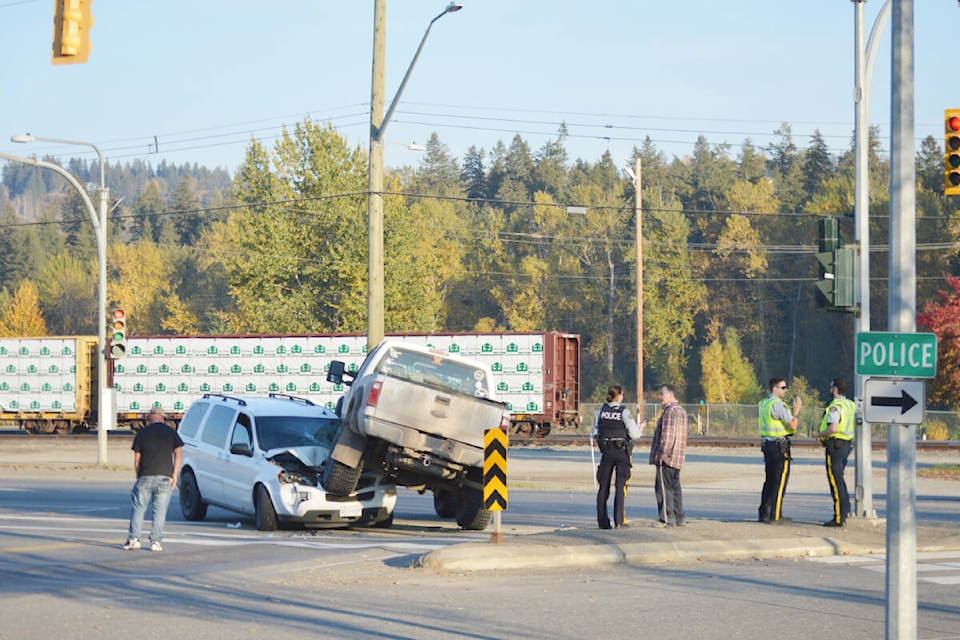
x=218, y=425
x=191, y=420
x=241, y=432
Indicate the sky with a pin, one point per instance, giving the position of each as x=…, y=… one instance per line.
x=193, y=82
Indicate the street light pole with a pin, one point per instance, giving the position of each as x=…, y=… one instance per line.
x=105, y=415
x=378, y=126
x=864, y=60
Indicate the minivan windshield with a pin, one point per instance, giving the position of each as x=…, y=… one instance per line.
x=283, y=432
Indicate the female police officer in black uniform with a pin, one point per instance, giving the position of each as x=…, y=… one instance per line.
x=612, y=429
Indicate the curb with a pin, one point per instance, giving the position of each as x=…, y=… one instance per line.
x=481, y=556
x=478, y=556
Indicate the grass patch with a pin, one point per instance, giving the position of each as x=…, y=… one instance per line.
x=942, y=471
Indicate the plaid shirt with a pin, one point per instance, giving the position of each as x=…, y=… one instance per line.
x=669, y=444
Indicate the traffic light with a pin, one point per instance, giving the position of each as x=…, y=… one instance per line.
x=951, y=156
x=118, y=333
x=71, y=31
x=835, y=285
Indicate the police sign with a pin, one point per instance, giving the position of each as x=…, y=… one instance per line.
x=897, y=355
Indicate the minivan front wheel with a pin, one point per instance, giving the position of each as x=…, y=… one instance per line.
x=266, y=514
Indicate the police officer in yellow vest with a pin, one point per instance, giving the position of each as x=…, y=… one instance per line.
x=776, y=425
x=836, y=435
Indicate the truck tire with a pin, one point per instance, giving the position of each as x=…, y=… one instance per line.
x=472, y=515
x=339, y=479
x=192, y=505
x=266, y=514
x=446, y=503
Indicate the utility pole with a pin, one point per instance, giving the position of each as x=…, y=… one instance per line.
x=378, y=125
x=637, y=184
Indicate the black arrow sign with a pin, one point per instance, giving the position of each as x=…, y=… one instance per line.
x=905, y=402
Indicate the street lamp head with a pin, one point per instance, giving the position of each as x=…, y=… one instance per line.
x=23, y=137
x=413, y=146
x=456, y=6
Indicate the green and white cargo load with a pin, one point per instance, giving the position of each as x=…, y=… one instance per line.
x=47, y=387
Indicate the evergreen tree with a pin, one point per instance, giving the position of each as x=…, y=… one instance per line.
x=474, y=175
x=187, y=220
x=817, y=164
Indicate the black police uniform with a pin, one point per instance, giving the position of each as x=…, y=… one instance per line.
x=615, y=447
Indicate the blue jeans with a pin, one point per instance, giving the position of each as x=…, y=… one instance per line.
x=149, y=488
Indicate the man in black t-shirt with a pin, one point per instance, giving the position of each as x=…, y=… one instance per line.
x=157, y=454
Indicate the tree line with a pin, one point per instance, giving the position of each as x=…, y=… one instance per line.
x=506, y=239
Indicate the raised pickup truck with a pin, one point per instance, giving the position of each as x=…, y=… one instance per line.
x=419, y=414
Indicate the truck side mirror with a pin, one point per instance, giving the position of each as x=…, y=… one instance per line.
x=337, y=372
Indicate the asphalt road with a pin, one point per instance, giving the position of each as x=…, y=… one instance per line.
x=63, y=575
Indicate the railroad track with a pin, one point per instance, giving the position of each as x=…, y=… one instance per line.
x=551, y=440
x=560, y=440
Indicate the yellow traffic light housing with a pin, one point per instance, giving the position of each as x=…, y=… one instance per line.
x=71, y=31
x=117, y=331
x=951, y=157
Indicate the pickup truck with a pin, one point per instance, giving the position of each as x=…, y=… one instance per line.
x=419, y=414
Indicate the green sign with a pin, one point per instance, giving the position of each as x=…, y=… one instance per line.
x=897, y=355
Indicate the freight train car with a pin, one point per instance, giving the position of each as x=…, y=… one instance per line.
x=537, y=374
x=48, y=384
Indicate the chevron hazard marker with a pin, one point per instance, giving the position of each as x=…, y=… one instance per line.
x=495, y=470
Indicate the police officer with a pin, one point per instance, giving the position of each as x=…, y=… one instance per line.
x=776, y=424
x=613, y=430
x=836, y=436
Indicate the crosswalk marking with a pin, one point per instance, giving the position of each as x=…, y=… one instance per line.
x=938, y=567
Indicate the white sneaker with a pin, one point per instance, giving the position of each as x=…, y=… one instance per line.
x=131, y=545
x=156, y=546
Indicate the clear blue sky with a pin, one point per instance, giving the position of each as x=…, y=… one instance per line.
x=206, y=75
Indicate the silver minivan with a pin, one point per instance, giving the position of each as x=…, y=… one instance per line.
x=263, y=457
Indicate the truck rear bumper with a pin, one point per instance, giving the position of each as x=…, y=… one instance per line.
x=426, y=444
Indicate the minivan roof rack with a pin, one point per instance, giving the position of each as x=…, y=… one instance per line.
x=240, y=401
x=289, y=397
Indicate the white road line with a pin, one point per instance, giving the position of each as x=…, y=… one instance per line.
x=928, y=567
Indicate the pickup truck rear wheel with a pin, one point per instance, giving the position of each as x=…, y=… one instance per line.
x=446, y=503
x=339, y=479
x=472, y=515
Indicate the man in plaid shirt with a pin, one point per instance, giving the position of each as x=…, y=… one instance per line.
x=667, y=451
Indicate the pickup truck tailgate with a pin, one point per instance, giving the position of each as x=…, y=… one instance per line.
x=436, y=411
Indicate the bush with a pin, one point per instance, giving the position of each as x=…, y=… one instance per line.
x=936, y=430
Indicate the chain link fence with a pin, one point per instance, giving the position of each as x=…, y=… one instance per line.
x=740, y=421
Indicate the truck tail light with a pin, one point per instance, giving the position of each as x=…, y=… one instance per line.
x=374, y=394
x=505, y=423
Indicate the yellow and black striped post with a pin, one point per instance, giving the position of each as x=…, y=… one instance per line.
x=495, y=477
